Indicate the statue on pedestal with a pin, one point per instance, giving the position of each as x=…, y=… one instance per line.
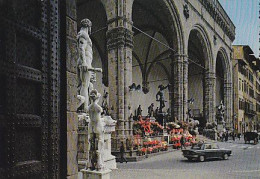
x=96, y=132
x=160, y=96
x=89, y=110
x=139, y=111
x=221, y=113
x=150, y=110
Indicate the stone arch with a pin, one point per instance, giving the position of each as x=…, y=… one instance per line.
x=207, y=49
x=164, y=20
x=226, y=64
x=200, y=51
x=174, y=18
x=227, y=83
x=173, y=35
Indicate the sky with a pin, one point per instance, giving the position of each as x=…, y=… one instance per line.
x=244, y=14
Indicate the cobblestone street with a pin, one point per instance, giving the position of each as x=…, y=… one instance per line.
x=244, y=163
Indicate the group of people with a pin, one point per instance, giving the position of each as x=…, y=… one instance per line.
x=225, y=136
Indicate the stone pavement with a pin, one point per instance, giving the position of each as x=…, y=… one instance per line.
x=244, y=163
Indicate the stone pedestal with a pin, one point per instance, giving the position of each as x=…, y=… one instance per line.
x=109, y=160
x=82, y=140
x=88, y=174
x=220, y=127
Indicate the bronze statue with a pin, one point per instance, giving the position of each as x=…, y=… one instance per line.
x=150, y=110
x=160, y=96
x=139, y=111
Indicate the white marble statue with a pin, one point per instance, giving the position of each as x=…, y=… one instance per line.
x=96, y=127
x=221, y=113
x=98, y=160
x=84, y=63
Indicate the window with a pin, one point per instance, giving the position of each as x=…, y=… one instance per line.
x=239, y=84
x=250, y=77
x=207, y=146
x=251, y=92
x=241, y=104
x=215, y=146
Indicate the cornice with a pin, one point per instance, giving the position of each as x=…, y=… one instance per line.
x=222, y=19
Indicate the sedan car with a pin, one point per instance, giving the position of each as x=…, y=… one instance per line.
x=203, y=151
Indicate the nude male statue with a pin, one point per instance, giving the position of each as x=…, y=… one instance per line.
x=96, y=126
x=84, y=63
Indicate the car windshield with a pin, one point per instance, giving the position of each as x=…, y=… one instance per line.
x=197, y=146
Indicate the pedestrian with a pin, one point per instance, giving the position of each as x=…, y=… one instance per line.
x=222, y=137
x=122, y=153
x=234, y=136
x=182, y=141
x=226, y=136
x=239, y=135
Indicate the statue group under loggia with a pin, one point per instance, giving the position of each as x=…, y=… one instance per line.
x=88, y=97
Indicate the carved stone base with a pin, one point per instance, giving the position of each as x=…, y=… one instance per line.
x=88, y=174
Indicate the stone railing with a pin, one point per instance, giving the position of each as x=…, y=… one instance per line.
x=220, y=16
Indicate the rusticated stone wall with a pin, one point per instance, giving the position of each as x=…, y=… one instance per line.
x=71, y=74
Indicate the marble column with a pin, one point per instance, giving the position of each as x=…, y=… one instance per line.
x=185, y=87
x=119, y=46
x=209, y=97
x=228, y=104
x=177, y=71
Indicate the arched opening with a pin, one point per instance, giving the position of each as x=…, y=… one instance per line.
x=220, y=78
x=224, y=85
x=198, y=64
x=152, y=60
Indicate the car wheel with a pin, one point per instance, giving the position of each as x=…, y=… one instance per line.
x=245, y=140
x=225, y=156
x=201, y=158
x=255, y=141
x=190, y=159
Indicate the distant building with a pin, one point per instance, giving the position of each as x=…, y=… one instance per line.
x=246, y=78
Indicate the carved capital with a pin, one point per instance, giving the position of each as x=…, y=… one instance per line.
x=119, y=36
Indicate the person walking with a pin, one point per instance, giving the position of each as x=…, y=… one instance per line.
x=226, y=136
x=182, y=141
x=122, y=153
x=223, y=137
x=239, y=135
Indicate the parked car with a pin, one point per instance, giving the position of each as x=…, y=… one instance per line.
x=248, y=136
x=204, y=151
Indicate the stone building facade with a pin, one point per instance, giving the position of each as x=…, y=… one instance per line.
x=246, y=85
x=196, y=36
x=192, y=36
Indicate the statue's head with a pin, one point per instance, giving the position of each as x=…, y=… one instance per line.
x=94, y=95
x=86, y=23
x=160, y=87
